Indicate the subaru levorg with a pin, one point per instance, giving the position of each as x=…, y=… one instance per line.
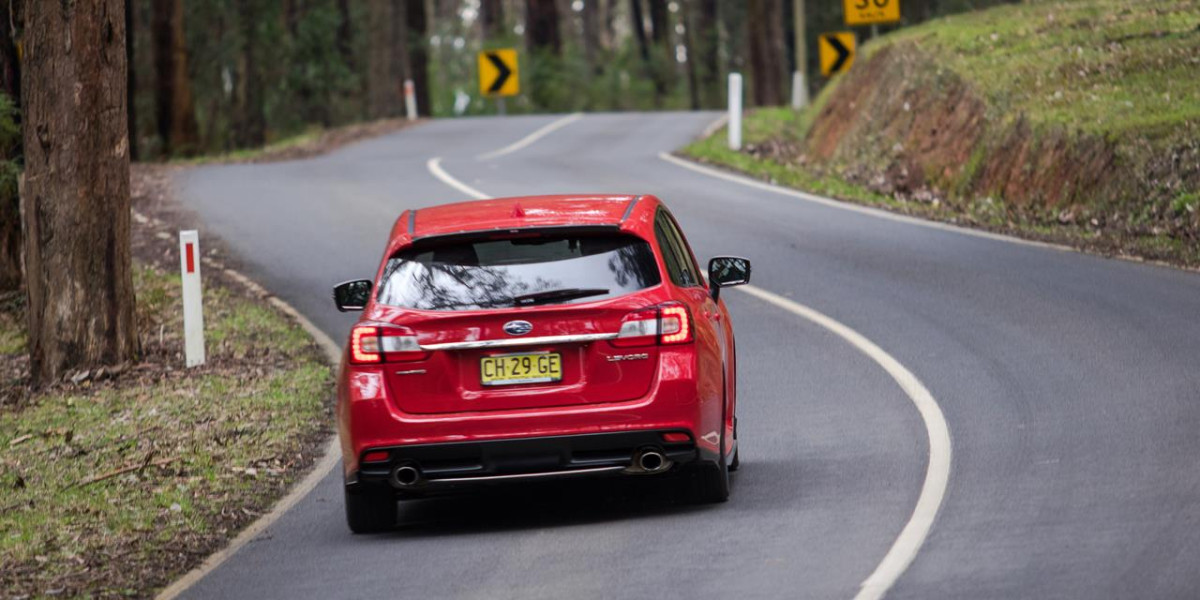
x=535, y=338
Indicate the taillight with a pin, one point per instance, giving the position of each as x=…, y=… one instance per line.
x=666, y=324
x=370, y=344
x=364, y=345
x=638, y=328
x=676, y=324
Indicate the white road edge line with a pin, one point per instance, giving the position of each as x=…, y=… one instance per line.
x=937, y=473
x=330, y=455
x=435, y=167
x=533, y=137
x=866, y=210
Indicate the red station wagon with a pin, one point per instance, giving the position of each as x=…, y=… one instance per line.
x=534, y=338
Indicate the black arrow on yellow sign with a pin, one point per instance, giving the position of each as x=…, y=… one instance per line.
x=836, y=52
x=502, y=72
x=843, y=53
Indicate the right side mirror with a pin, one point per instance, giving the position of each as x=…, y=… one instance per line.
x=352, y=295
x=727, y=271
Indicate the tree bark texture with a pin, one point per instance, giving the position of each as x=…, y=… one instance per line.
x=75, y=202
x=10, y=156
x=768, y=58
x=174, y=108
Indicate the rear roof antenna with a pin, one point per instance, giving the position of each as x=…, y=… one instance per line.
x=518, y=212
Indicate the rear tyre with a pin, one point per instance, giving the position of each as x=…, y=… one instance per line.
x=712, y=483
x=370, y=511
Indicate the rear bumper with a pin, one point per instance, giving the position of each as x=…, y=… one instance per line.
x=448, y=467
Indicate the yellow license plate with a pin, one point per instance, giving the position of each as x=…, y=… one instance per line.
x=511, y=369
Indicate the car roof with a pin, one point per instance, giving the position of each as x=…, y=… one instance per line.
x=521, y=212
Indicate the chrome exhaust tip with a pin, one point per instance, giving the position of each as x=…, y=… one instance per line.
x=405, y=476
x=652, y=461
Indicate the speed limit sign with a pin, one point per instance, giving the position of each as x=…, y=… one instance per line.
x=869, y=12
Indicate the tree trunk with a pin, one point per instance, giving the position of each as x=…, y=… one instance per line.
x=418, y=54
x=639, y=29
x=131, y=83
x=75, y=204
x=10, y=157
x=174, y=108
x=659, y=29
x=491, y=16
x=541, y=26
x=382, y=101
x=768, y=58
x=345, y=34
x=707, y=52
x=592, y=48
x=252, y=120
x=689, y=41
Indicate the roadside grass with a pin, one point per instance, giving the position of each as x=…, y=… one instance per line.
x=1107, y=67
x=1123, y=71
x=767, y=126
x=117, y=484
x=283, y=145
x=313, y=141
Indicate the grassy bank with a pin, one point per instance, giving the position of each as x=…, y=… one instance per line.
x=120, y=480
x=1075, y=121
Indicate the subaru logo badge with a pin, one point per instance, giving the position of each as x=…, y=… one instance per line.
x=518, y=327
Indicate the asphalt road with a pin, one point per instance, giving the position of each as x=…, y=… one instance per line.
x=1070, y=383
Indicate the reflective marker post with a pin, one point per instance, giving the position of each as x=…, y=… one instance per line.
x=735, y=111
x=193, y=308
x=410, y=99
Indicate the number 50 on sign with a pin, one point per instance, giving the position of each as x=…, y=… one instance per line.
x=868, y=12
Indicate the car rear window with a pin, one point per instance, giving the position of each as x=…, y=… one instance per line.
x=554, y=269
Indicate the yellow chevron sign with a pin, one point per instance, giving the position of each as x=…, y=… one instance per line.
x=498, y=74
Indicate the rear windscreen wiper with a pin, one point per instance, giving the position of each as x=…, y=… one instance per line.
x=551, y=296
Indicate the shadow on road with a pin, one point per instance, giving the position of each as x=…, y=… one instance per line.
x=548, y=504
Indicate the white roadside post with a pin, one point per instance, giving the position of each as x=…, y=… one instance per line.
x=410, y=99
x=735, y=111
x=193, y=308
x=799, y=91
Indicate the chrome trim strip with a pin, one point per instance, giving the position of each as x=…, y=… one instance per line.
x=516, y=342
x=545, y=475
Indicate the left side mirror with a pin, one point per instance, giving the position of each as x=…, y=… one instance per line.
x=727, y=271
x=352, y=295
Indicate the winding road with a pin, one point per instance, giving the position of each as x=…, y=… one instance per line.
x=1067, y=387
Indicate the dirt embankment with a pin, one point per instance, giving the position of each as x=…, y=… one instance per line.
x=902, y=125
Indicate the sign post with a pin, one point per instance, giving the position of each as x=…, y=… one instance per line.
x=499, y=75
x=193, y=307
